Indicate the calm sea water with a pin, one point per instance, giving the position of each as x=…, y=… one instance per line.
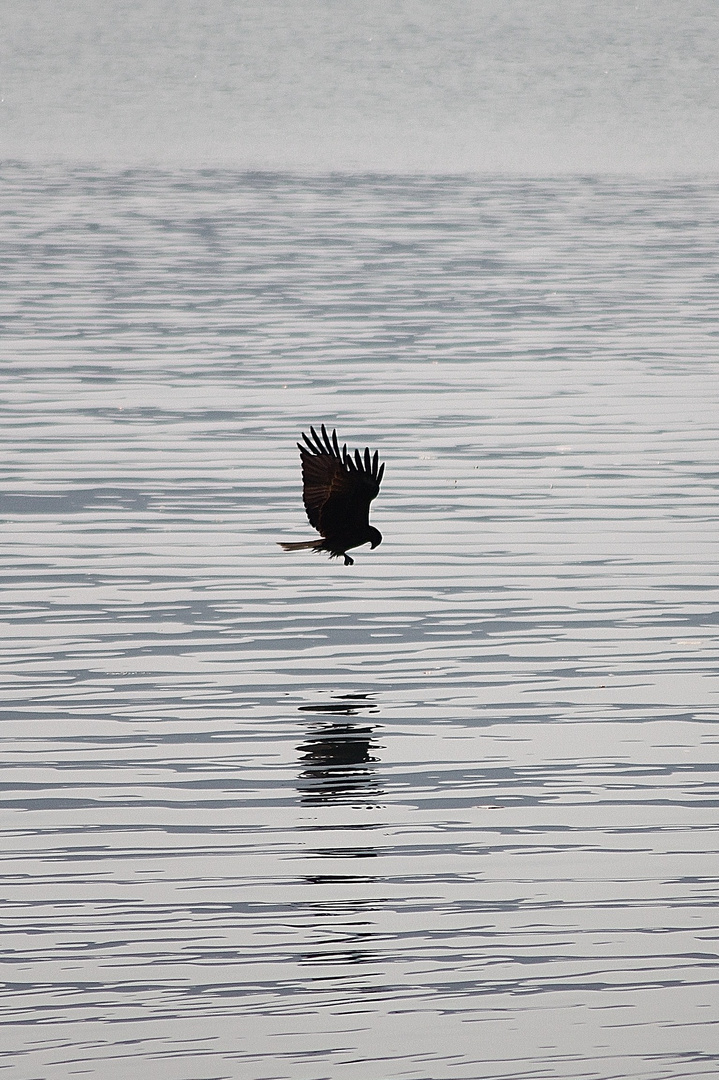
x=358, y=85
x=451, y=812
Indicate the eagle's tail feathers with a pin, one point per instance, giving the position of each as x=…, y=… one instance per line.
x=302, y=545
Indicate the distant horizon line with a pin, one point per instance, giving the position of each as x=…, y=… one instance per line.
x=118, y=167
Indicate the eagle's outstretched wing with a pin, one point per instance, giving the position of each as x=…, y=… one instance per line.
x=337, y=489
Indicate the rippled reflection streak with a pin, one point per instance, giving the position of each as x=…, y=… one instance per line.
x=339, y=758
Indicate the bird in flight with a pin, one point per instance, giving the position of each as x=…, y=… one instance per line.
x=337, y=491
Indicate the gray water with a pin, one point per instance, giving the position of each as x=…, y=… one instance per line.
x=450, y=812
x=527, y=86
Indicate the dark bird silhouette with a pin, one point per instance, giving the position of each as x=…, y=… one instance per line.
x=337, y=491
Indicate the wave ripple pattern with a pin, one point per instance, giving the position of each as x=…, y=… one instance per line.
x=448, y=813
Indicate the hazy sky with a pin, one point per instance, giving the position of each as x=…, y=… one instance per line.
x=440, y=85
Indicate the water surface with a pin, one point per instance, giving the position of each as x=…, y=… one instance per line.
x=450, y=812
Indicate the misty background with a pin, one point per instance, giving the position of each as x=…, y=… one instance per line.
x=458, y=85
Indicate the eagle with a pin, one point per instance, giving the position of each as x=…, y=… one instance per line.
x=337, y=491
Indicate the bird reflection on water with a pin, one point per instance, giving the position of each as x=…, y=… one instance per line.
x=337, y=756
